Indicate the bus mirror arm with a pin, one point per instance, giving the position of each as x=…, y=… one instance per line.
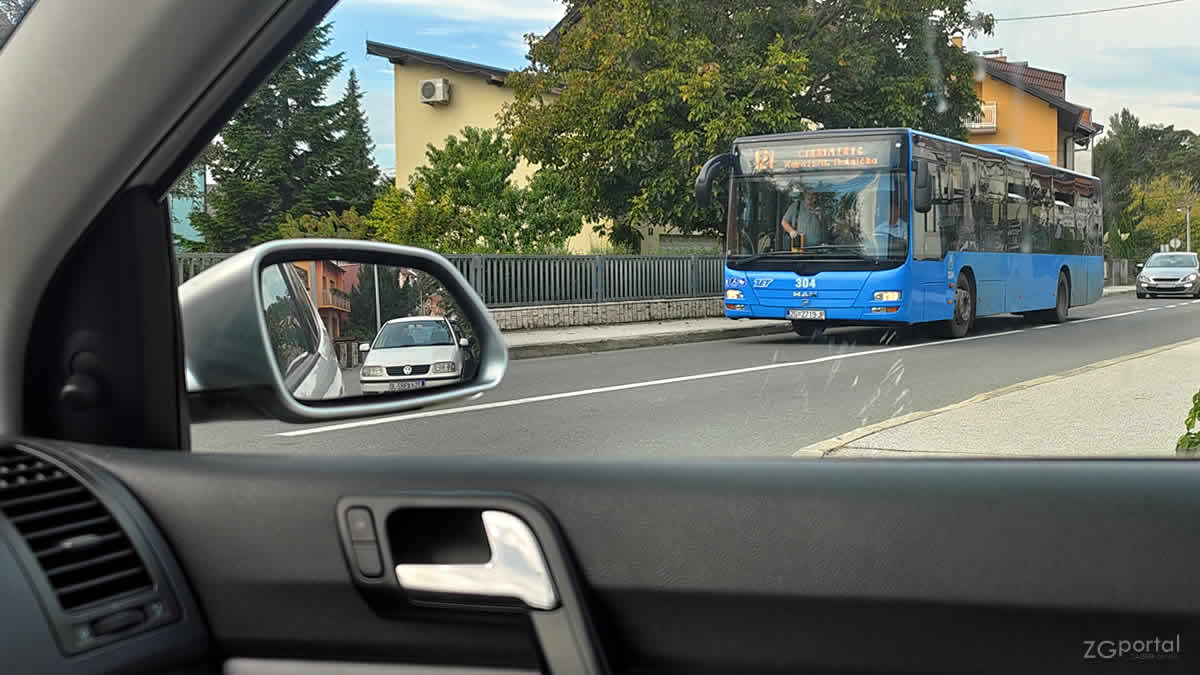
x=922, y=188
x=704, y=181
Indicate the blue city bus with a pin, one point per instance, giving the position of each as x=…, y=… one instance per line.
x=900, y=227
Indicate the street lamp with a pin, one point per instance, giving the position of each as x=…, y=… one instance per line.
x=1188, y=210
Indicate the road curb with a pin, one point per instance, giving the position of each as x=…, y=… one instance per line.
x=830, y=445
x=1123, y=291
x=635, y=341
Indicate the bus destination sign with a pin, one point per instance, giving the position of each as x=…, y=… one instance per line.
x=830, y=155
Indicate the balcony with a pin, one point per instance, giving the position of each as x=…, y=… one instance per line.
x=334, y=298
x=985, y=123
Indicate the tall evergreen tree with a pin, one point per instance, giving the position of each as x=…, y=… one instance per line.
x=275, y=157
x=356, y=177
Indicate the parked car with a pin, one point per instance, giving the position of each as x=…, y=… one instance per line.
x=1169, y=274
x=415, y=352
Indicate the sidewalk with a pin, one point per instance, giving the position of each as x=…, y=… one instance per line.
x=529, y=344
x=1130, y=406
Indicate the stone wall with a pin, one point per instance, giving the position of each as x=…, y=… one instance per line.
x=557, y=316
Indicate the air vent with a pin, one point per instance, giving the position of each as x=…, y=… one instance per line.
x=85, y=555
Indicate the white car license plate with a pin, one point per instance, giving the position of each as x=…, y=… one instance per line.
x=810, y=314
x=404, y=386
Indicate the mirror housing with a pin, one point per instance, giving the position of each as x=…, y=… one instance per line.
x=464, y=342
x=922, y=188
x=363, y=348
x=1140, y=265
x=704, y=181
x=230, y=367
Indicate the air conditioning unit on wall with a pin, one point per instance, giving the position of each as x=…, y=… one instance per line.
x=434, y=92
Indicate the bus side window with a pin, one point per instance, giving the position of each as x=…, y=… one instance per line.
x=1019, y=234
x=990, y=203
x=927, y=226
x=1042, y=210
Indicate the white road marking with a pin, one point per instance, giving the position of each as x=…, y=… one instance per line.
x=1153, y=309
x=632, y=385
x=673, y=380
x=1112, y=316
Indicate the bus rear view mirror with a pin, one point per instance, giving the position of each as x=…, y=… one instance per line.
x=704, y=181
x=922, y=188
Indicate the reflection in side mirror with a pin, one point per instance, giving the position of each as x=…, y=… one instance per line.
x=406, y=327
x=273, y=331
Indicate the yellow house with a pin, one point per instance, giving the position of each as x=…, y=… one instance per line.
x=435, y=97
x=1027, y=107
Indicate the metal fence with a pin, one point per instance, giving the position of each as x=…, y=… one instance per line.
x=188, y=265
x=525, y=280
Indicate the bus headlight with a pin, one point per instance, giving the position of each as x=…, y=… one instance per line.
x=887, y=296
x=372, y=371
x=733, y=294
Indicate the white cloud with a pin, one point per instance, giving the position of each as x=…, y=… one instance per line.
x=547, y=11
x=437, y=31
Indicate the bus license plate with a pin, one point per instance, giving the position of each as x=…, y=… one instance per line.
x=403, y=386
x=810, y=314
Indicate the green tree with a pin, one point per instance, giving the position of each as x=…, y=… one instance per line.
x=346, y=225
x=356, y=177
x=632, y=99
x=394, y=301
x=1132, y=153
x=416, y=219
x=1157, y=204
x=274, y=157
x=465, y=200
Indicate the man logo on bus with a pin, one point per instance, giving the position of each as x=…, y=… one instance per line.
x=806, y=282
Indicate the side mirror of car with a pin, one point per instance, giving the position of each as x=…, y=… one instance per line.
x=257, y=344
x=1140, y=265
x=464, y=342
x=363, y=347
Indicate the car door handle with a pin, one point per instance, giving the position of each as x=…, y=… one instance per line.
x=517, y=568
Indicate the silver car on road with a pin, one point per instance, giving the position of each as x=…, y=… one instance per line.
x=1169, y=274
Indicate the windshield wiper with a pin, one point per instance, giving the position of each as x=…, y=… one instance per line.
x=808, y=253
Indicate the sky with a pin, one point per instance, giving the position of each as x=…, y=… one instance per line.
x=1145, y=59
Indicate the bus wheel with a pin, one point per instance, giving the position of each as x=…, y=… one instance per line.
x=959, y=324
x=807, y=329
x=1062, y=302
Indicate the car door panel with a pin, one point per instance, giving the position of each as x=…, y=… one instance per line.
x=704, y=567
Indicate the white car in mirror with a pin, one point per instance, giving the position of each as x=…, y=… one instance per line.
x=410, y=353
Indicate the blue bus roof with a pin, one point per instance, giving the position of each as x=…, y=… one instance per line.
x=1011, y=151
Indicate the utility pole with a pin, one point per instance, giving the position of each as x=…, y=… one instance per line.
x=375, y=271
x=1187, y=209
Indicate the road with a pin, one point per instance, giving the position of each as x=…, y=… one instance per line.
x=753, y=397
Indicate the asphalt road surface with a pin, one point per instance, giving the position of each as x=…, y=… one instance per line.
x=762, y=396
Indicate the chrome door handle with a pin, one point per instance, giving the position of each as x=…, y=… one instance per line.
x=517, y=568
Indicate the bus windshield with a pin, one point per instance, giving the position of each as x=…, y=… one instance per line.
x=838, y=214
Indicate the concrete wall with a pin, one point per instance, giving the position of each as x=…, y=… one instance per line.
x=557, y=316
x=1022, y=120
